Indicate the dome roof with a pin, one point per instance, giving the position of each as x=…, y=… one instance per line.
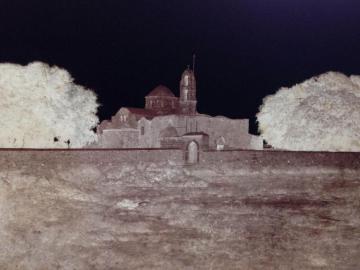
x=169, y=132
x=161, y=91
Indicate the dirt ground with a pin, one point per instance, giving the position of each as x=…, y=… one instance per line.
x=156, y=216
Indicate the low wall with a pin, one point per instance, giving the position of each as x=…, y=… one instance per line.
x=91, y=156
x=250, y=158
x=283, y=158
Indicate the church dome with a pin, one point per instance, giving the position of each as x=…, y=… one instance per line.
x=161, y=91
x=169, y=132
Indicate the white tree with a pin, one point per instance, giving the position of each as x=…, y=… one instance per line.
x=320, y=114
x=41, y=107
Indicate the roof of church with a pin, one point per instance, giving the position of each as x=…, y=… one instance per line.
x=139, y=112
x=161, y=91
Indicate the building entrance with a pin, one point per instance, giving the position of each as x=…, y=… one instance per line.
x=192, y=152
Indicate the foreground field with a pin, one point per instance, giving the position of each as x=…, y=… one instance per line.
x=161, y=216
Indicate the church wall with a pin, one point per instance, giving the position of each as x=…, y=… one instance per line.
x=151, y=137
x=162, y=105
x=146, y=137
x=103, y=125
x=203, y=141
x=235, y=132
x=119, y=138
x=256, y=142
x=172, y=142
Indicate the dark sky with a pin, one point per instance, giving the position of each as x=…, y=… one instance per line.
x=245, y=49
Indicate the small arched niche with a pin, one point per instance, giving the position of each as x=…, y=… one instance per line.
x=220, y=143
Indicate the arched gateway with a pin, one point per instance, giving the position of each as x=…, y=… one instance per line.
x=192, y=153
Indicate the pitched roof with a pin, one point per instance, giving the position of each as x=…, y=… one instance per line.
x=139, y=112
x=161, y=91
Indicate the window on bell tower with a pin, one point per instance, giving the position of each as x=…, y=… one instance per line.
x=186, y=80
x=186, y=92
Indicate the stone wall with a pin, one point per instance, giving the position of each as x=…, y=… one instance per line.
x=235, y=131
x=119, y=138
x=282, y=159
x=146, y=133
x=36, y=157
x=256, y=142
x=242, y=158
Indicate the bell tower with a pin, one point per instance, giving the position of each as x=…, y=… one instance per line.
x=187, y=102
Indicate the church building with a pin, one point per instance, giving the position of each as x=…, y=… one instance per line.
x=168, y=121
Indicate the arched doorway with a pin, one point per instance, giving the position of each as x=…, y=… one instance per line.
x=192, y=153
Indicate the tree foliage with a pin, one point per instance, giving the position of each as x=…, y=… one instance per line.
x=42, y=107
x=320, y=114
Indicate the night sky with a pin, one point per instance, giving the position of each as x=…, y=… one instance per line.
x=246, y=49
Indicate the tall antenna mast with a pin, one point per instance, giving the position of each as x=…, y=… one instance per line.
x=194, y=62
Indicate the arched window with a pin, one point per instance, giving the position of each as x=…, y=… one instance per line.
x=186, y=80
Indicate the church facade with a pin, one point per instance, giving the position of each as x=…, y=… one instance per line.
x=168, y=121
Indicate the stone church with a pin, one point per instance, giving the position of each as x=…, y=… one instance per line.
x=168, y=121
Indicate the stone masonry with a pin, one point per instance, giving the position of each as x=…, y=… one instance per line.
x=168, y=121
